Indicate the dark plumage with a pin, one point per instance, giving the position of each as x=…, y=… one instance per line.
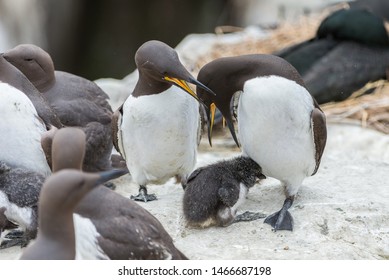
x=12, y=76
x=377, y=7
x=214, y=192
x=351, y=48
x=19, y=192
x=60, y=194
x=125, y=229
x=3, y=219
x=355, y=65
x=4, y=222
x=75, y=100
x=121, y=228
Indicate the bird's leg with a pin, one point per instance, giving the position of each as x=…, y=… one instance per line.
x=143, y=195
x=282, y=220
x=183, y=180
x=248, y=216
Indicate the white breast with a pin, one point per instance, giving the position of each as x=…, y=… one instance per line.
x=20, y=131
x=159, y=135
x=87, y=246
x=275, y=128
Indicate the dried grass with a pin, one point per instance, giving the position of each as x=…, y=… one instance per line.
x=371, y=110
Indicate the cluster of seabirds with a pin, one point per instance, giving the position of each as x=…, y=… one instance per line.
x=58, y=132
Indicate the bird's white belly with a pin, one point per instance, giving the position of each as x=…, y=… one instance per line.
x=20, y=132
x=274, y=121
x=159, y=135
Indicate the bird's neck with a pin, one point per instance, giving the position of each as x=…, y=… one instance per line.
x=45, y=83
x=149, y=86
x=61, y=228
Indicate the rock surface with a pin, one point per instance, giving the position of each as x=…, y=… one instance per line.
x=340, y=213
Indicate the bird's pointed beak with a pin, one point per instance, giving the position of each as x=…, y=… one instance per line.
x=200, y=85
x=230, y=125
x=211, y=120
x=105, y=176
x=183, y=84
x=227, y=117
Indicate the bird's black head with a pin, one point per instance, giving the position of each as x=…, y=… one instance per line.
x=160, y=65
x=221, y=77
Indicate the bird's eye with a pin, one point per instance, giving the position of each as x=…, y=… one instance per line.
x=28, y=59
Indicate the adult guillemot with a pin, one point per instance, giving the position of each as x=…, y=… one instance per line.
x=157, y=128
x=281, y=127
x=108, y=225
x=11, y=75
x=213, y=193
x=59, y=196
x=76, y=101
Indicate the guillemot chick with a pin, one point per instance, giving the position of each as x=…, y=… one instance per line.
x=19, y=191
x=5, y=224
x=75, y=100
x=158, y=127
x=107, y=224
x=213, y=193
x=3, y=219
x=281, y=127
x=59, y=196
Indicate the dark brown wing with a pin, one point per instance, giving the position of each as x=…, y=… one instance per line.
x=319, y=130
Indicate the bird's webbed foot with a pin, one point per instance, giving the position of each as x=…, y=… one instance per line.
x=281, y=220
x=143, y=195
x=15, y=238
x=248, y=216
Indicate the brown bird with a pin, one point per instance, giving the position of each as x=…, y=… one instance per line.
x=59, y=196
x=75, y=100
x=108, y=225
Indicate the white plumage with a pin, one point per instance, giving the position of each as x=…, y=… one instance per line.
x=20, y=131
x=274, y=122
x=159, y=135
x=87, y=245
